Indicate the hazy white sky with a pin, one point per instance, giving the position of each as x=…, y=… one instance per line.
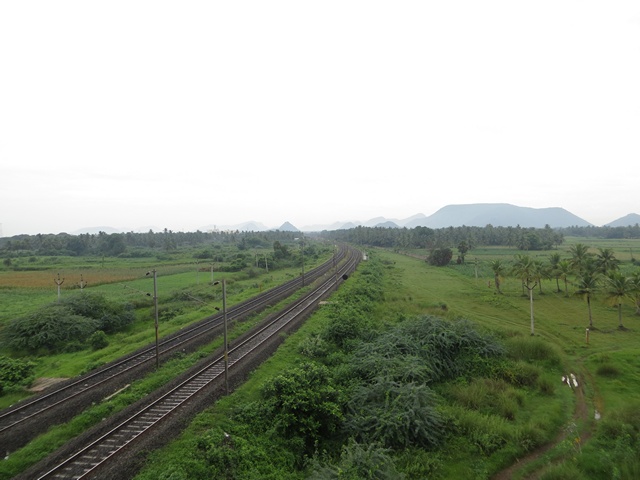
x=133, y=114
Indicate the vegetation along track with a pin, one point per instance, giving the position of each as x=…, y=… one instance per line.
x=22, y=422
x=114, y=448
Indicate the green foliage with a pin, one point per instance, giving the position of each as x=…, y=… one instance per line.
x=486, y=433
x=440, y=257
x=235, y=455
x=395, y=414
x=427, y=349
x=615, y=451
x=98, y=340
x=314, y=346
x=490, y=396
x=519, y=373
x=14, y=371
x=347, y=323
x=357, y=462
x=608, y=370
x=532, y=349
x=111, y=316
x=48, y=328
x=65, y=326
x=303, y=403
x=419, y=463
x=350, y=316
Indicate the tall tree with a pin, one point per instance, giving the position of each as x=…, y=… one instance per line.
x=499, y=270
x=579, y=254
x=525, y=269
x=588, y=285
x=563, y=270
x=606, y=261
x=463, y=248
x=554, y=260
x=635, y=280
x=618, y=287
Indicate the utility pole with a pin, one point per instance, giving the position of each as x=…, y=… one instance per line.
x=58, y=282
x=224, y=336
x=302, y=253
x=82, y=283
x=226, y=345
x=155, y=305
x=335, y=267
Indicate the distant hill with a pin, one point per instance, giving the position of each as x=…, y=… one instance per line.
x=387, y=224
x=626, y=221
x=287, y=227
x=249, y=226
x=95, y=230
x=498, y=215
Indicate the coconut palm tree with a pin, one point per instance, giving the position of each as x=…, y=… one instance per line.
x=618, y=287
x=635, y=291
x=526, y=270
x=579, y=254
x=541, y=271
x=563, y=270
x=554, y=260
x=499, y=271
x=588, y=285
x=606, y=261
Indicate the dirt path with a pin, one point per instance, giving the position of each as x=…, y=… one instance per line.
x=44, y=382
x=580, y=416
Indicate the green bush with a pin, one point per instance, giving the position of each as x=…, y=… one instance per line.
x=98, y=340
x=14, y=371
x=519, y=373
x=532, y=349
x=394, y=414
x=608, y=370
x=357, y=462
x=48, y=328
x=112, y=317
x=440, y=257
x=302, y=402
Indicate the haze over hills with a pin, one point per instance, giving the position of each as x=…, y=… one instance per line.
x=472, y=215
x=631, y=219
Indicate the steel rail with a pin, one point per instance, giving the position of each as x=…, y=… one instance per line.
x=31, y=409
x=85, y=461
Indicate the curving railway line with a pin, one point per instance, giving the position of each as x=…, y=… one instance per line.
x=22, y=422
x=113, y=448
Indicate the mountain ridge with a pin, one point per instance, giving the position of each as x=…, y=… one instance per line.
x=454, y=215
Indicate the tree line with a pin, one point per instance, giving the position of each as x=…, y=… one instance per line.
x=528, y=238
x=523, y=238
x=133, y=243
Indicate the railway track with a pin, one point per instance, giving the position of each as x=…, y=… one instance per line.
x=24, y=421
x=102, y=452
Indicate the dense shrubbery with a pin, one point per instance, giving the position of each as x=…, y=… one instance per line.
x=376, y=399
x=14, y=371
x=67, y=324
x=300, y=404
x=440, y=257
x=111, y=317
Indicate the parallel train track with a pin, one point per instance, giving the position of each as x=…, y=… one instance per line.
x=25, y=420
x=99, y=453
